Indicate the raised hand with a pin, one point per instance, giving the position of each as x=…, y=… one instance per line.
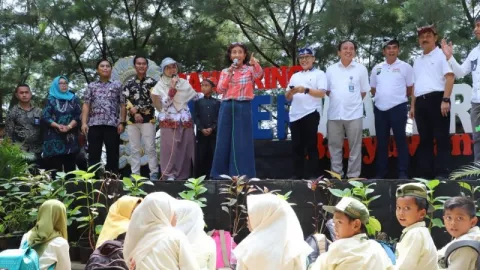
x=447, y=48
x=253, y=60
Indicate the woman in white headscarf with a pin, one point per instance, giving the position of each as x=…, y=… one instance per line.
x=276, y=238
x=170, y=96
x=152, y=242
x=190, y=222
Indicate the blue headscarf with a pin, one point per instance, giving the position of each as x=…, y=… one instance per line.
x=57, y=93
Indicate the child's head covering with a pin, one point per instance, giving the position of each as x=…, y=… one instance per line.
x=417, y=190
x=276, y=238
x=148, y=225
x=118, y=218
x=190, y=220
x=51, y=223
x=350, y=207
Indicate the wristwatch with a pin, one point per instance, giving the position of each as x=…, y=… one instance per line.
x=446, y=99
x=307, y=90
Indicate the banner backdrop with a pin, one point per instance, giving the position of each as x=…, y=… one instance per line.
x=275, y=78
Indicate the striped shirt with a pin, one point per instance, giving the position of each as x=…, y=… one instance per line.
x=239, y=86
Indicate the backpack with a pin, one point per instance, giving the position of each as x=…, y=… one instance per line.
x=225, y=244
x=389, y=249
x=24, y=258
x=108, y=256
x=460, y=244
x=319, y=243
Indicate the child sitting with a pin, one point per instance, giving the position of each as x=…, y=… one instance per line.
x=416, y=249
x=461, y=223
x=353, y=249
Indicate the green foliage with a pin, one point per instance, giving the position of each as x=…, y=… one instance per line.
x=195, y=188
x=363, y=193
x=471, y=193
x=437, y=202
x=13, y=160
x=134, y=188
x=90, y=204
x=466, y=171
x=235, y=204
x=319, y=215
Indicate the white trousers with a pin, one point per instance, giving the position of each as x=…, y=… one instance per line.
x=136, y=134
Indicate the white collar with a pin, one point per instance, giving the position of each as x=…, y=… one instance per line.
x=340, y=64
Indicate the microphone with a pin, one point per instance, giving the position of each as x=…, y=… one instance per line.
x=235, y=63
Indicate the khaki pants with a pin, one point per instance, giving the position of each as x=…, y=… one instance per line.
x=336, y=130
x=138, y=133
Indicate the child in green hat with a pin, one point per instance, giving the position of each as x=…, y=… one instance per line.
x=416, y=249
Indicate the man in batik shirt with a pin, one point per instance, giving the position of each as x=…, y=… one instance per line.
x=141, y=120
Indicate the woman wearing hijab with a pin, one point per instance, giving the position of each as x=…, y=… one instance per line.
x=170, y=97
x=61, y=116
x=49, y=236
x=118, y=218
x=190, y=222
x=152, y=242
x=276, y=238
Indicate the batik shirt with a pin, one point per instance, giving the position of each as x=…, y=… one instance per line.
x=105, y=99
x=21, y=127
x=62, y=112
x=137, y=95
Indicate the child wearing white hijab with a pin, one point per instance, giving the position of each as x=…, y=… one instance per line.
x=151, y=242
x=276, y=238
x=190, y=222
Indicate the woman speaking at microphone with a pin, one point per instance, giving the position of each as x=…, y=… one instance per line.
x=170, y=96
x=234, y=152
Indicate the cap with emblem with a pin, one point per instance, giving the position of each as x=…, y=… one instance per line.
x=350, y=207
x=417, y=190
x=305, y=51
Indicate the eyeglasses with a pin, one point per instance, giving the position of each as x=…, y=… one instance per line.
x=63, y=83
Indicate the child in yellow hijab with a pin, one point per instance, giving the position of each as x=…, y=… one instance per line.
x=49, y=236
x=118, y=218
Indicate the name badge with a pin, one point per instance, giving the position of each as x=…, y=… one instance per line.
x=36, y=121
x=351, y=86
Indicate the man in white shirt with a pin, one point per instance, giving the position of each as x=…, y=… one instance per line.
x=391, y=82
x=469, y=66
x=347, y=85
x=306, y=90
x=431, y=105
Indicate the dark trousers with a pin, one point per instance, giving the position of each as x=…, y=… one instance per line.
x=205, y=152
x=431, y=124
x=234, y=152
x=304, y=142
x=108, y=135
x=395, y=119
x=61, y=163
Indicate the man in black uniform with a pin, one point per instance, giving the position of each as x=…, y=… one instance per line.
x=205, y=118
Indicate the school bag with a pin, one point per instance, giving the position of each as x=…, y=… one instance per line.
x=24, y=258
x=224, y=245
x=475, y=245
x=108, y=256
x=389, y=249
x=319, y=243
